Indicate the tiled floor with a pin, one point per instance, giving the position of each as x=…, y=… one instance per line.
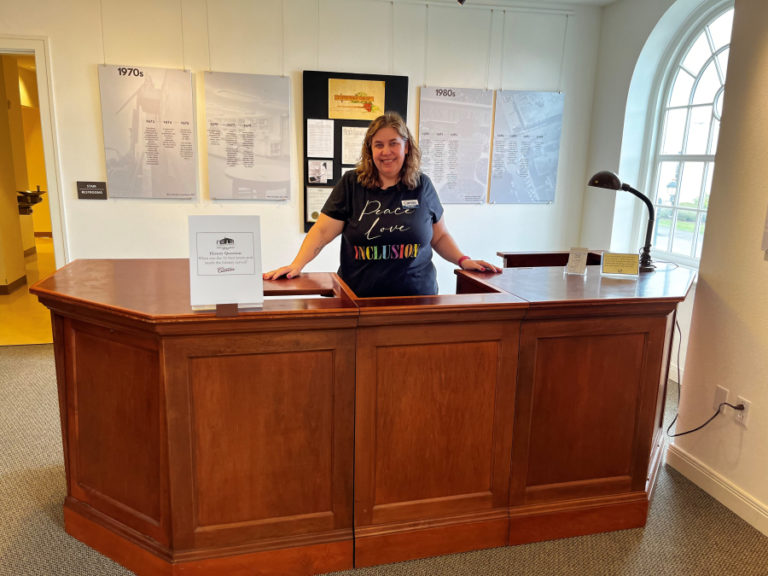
x=23, y=320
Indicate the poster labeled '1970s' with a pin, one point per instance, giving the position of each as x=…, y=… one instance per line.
x=149, y=132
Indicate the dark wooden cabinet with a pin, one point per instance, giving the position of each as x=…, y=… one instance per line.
x=538, y=259
x=325, y=432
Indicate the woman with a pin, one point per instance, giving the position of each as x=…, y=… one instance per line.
x=390, y=219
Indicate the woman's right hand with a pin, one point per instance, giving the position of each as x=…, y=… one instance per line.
x=289, y=272
x=323, y=231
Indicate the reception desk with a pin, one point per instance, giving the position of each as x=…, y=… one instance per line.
x=325, y=431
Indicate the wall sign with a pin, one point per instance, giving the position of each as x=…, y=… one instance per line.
x=91, y=190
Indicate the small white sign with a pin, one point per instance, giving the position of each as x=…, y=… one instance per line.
x=225, y=261
x=577, y=261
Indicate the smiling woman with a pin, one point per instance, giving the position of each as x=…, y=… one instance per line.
x=390, y=219
x=389, y=151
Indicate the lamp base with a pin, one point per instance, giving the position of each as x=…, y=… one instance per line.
x=646, y=264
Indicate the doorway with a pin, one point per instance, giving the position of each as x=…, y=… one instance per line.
x=23, y=320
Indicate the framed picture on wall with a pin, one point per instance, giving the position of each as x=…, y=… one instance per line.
x=338, y=107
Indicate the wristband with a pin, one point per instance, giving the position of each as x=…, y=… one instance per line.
x=462, y=260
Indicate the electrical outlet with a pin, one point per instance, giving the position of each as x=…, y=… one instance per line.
x=742, y=416
x=721, y=395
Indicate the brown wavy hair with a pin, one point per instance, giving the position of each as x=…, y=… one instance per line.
x=368, y=174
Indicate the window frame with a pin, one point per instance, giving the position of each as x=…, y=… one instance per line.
x=667, y=74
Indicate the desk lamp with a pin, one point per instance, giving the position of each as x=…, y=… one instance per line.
x=609, y=180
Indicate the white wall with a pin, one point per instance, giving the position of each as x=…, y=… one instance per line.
x=729, y=332
x=439, y=43
x=609, y=217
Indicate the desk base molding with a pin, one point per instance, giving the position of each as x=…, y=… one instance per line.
x=410, y=544
x=301, y=561
x=577, y=518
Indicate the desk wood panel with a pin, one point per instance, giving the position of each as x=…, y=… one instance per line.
x=268, y=416
x=583, y=388
x=115, y=425
x=433, y=434
x=538, y=259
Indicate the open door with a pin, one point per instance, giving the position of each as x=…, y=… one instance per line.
x=28, y=233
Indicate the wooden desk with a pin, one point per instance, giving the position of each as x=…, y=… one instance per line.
x=534, y=259
x=526, y=407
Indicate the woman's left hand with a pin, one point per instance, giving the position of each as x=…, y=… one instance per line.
x=479, y=265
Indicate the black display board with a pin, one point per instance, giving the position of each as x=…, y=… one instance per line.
x=316, y=95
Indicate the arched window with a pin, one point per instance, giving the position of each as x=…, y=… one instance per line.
x=685, y=152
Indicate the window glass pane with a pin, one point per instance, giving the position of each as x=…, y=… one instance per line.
x=666, y=189
x=700, y=239
x=708, y=85
x=698, y=130
x=690, y=184
x=661, y=233
x=681, y=89
x=722, y=59
x=720, y=29
x=674, y=129
x=718, y=108
x=715, y=136
x=682, y=240
x=707, y=185
x=697, y=55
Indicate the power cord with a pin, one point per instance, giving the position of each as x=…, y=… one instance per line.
x=715, y=415
x=679, y=386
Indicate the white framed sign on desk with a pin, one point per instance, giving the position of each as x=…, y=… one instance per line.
x=225, y=262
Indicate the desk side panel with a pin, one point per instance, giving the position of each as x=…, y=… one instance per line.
x=115, y=427
x=585, y=419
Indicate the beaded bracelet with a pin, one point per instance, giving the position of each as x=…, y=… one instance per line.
x=462, y=260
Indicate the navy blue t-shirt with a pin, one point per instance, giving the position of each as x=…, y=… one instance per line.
x=386, y=240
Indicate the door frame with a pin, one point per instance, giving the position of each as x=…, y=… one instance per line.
x=39, y=47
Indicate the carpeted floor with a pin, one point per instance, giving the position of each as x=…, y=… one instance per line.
x=688, y=532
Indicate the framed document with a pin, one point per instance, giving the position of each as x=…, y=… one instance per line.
x=225, y=261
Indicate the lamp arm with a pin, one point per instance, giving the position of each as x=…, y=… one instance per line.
x=651, y=211
x=646, y=256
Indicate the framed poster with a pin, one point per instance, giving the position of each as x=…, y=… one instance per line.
x=526, y=147
x=247, y=124
x=149, y=132
x=338, y=107
x=455, y=140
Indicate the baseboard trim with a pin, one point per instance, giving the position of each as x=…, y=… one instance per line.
x=720, y=488
x=673, y=373
x=449, y=538
x=6, y=289
x=300, y=561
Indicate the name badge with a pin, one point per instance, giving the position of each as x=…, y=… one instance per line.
x=410, y=203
